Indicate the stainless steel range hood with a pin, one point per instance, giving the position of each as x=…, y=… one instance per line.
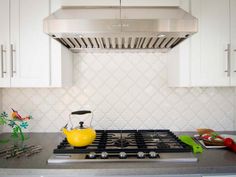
x=93, y=28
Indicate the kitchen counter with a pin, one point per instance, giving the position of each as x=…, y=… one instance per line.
x=210, y=161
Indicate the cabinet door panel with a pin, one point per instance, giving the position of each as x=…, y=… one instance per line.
x=4, y=41
x=31, y=61
x=150, y=2
x=90, y=2
x=209, y=44
x=233, y=41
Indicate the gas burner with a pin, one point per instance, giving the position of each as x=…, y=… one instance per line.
x=126, y=145
x=121, y=142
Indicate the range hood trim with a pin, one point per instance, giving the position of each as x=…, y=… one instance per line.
x=62, y=26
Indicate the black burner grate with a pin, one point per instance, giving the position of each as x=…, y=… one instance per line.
x=138, y=140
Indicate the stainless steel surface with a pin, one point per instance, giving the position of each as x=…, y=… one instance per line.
x=125, y=145
x=12, y=50
x=217, y=161
x=164, y=157
x=2, y=61
x=159, y=28
x=228, y=60
x=234, y=51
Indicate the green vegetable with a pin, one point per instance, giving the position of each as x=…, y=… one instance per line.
x=189, y=141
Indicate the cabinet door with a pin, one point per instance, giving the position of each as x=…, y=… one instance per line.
x=150, y=2
x=30, y=57
x=90, y=2
x=4, y=41
x=209, y=44
x=233, y=41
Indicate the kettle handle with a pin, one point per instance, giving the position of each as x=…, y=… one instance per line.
x=81, y=112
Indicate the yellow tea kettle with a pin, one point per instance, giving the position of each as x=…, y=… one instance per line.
x=82, y=135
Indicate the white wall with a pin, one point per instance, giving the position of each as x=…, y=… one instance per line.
x=125, y=91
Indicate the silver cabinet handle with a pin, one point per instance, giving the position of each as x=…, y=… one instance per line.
x=2, y=61
x=234, y=51
x=12, y=61
x=228, y=60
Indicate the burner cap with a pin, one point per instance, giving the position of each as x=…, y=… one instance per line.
x=121, y=143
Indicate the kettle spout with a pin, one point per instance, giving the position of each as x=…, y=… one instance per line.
x=65, y=131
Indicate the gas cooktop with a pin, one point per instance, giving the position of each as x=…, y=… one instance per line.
x=126, y=145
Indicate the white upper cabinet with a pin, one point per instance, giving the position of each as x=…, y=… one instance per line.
x=123, y=2
x=210, y=45
x=233, y=41
x=209, y=61
x=29, y=46
x=90, y=2
x=150, y=2
x=4, y=43
x=29, y=58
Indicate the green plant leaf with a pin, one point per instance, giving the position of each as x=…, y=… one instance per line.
x=24, y=125
x=4, y=114
x=14, y=134
x=12, y=123
x=17, y=129
x=2, y=121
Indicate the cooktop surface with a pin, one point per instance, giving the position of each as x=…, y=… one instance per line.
x=128, y=141
x=126, y=145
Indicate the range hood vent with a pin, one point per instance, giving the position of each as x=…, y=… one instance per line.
x=95, y=28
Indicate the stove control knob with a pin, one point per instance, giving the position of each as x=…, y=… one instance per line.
x=123, y=155
x=141, y=155
x=104, y=155
x=92, y=155
x=153, y=154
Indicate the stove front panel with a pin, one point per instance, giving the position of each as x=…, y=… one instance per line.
x=162, y=157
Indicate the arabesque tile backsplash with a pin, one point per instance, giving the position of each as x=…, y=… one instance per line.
x=125, y=91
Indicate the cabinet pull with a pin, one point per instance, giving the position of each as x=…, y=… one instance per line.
x=234, y=51
x=2, y=61
x=12, y=61
x=228, y=60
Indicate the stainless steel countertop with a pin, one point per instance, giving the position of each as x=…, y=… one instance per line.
x=210, y=161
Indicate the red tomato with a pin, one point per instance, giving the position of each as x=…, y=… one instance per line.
x=206, y=137
x=233, y=147
x=228, y=142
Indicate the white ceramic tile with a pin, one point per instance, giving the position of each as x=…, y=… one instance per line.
x=125, y=91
